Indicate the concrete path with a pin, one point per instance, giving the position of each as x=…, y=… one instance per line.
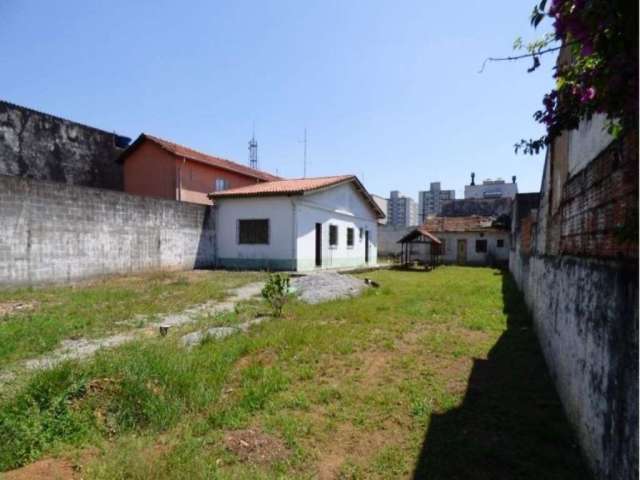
x=83, y=348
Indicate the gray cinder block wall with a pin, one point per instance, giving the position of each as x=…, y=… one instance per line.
x=585, y=313
x=53, y=232
x=45, y=147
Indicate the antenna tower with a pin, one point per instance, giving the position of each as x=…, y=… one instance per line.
x=253, y=151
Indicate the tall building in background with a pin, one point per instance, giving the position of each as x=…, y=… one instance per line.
x=430, y=201
x=403, y=210
x=497, y=188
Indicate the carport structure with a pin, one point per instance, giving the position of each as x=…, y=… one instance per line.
x=421, y=236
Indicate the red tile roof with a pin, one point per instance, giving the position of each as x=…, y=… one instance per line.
x=458, y=224
x=298, y=186
x=186, y=152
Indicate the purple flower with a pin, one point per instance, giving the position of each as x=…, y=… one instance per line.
x=588, y=94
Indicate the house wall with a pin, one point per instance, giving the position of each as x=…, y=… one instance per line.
x=279, y=254
x=152, y=171
x=580, y=281
x=499, y=254
x=344, y=207
x=292, y=230
x=44, y=147
x=198, y=180
x=61, y=233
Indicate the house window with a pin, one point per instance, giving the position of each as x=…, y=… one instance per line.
x=500, y=243
x=361, y=233
x=253, y=232
x=350, y=237
x=221, y=184
x=481, y=246
x=333, y=236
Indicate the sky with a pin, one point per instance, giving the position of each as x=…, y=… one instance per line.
x=388, y=90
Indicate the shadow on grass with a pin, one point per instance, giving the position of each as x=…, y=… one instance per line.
x=510, y=424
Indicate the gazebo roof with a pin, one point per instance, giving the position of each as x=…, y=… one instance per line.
x=419, y=232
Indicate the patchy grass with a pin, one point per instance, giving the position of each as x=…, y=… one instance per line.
x=34, y=321
x=433, y=375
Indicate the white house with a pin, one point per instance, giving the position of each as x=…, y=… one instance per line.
x=297, y=225
x=472, y=240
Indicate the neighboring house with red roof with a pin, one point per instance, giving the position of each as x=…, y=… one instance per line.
x=472, y=240
x=298, y=225
x=159, y=168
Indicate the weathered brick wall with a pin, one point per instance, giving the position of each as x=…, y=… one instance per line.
x=526, y=234
x=59, y=233
x=44, y=147
x=599, y=202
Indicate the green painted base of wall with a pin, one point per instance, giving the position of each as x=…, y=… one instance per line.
x=310, y=264
x=258, y=263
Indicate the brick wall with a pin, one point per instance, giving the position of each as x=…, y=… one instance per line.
x=59, y=233
x=599, y=201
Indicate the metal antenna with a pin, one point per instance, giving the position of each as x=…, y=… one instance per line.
x=253, y=150
x=305, y=153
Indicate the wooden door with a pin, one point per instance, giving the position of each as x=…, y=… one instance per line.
x=462, y=252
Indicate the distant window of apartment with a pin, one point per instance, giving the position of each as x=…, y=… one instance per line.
x=221, y=184
x=481, y=246
x=333, y=236
x=253, y=232
x=350, y=237
x=500, y=243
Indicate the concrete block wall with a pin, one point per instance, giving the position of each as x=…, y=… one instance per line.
x=44, y=147
x=53, y=232
x=585, y=314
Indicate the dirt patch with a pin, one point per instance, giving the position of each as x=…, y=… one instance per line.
x=374, y=364
x=45, y=469
x=9, y=308
x=254, y=446
x=349, y=443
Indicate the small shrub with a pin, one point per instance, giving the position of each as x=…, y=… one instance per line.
x=276, y=292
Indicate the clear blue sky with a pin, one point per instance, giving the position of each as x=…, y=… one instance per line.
x=389, y=90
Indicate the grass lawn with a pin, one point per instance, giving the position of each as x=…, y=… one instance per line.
x=432, y=375
x=35, y=320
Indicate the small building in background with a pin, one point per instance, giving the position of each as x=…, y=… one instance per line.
x=297, y=225
x=460, y=240
x=403, y=210
x=430, y=201
x=383, y=203
x=159, y=168
x=497, y=188
x=41, y=146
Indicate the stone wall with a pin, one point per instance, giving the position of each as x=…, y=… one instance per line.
x=60, y=233
x=40, y=146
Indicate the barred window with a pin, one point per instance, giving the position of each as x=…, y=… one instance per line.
x=481, y=246
x=500, y=243
x=349, y=237
x=333, y=235
x=253, y=232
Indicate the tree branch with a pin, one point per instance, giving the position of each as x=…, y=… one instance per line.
x=518, y=57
